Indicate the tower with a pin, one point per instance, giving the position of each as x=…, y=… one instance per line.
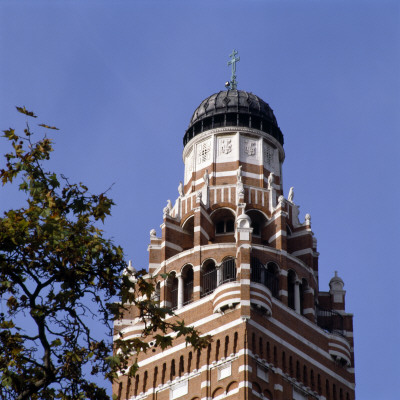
x=243, y=268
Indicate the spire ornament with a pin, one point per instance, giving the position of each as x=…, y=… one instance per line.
x=232, y=84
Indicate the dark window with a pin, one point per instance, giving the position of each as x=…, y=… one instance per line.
x=256, y=228
x=228, y=271
x=230, y=225
x=220, y=227
x=225, y=226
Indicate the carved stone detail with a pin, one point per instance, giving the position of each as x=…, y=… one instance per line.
x=250, y=147
x=225, y=146
x=204, y=152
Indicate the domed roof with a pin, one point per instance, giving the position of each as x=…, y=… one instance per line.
x=233, y=108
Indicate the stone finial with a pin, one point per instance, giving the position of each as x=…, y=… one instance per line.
x=239, y=174
x=199, y=195
x=291, y=194
x=206, y=178
x=180, y=189
x=167, y=209
x=281, y=201
x=308, y=219
x=271, y=179
x=243, y=221
x=153, y=234
x=336, y=283
x=129, y=270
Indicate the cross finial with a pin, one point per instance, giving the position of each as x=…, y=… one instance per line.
x=233, y=83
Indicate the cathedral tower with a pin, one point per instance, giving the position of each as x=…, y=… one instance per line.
x=243, y=268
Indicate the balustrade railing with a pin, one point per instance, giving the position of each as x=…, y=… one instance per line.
x=330, y=320
x=174, y=298
x=227, y=271
x=187, y=292
x=260, y=274
x=209, y=282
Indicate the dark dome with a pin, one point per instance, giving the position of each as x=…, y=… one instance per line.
x=233, y=108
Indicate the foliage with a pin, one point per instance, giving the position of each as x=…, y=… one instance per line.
x=57, y=274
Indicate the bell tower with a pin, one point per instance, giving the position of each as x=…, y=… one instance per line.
x=243, y=268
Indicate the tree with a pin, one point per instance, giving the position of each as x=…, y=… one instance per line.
x=58, y=271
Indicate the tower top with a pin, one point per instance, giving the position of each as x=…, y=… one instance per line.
x=233, y=108
x=233, y=83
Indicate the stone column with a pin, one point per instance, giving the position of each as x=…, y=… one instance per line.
x=180, y=291
x=297, y=296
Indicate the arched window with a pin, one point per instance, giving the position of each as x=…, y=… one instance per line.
x=172, y=285
x=235, y=342
x=305, y=377
x=268, y=352
x=155, y=376
x=224, y=221
x=291, y=279
x=226, y=346
x=217, y=347
x=312, y=381
x=303, y=288
x=198, y=357
x=172, y=372
x=136, y=385
x=283, y=361
x=272, y=279
x=189, y=365
x=163, y=373
x=187, y=277
x=181, y=366
x=297, y=370
x=128, y=386
x=267, y=274
x=188, y=229
x=257, y=270
x=275, y=356
x=208, y=278
x=327, y=393
x=258, y=221
x=145, y=382
x=228, y=270
x=261, y=347
x=157, y=292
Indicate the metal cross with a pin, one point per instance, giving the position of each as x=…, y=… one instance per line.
x=233, y=62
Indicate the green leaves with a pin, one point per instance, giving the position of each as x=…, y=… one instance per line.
x=48, y=126
x=58, y=270
x=23, y=110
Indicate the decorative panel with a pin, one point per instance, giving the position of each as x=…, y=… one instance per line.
x=188, y=166
x=203, y=153
x=271, y=158
x=249, y=150
x=226, y=148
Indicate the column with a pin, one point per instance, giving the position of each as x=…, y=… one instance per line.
x=297, y=296
x=180, y=291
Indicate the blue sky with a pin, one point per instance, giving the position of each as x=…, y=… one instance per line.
x=122, y=79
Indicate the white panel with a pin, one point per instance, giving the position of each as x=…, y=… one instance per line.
x=249, y=150
x=179, y=390
x=203, y=154
x=244, y=236
x=226, y=148
x=224, y=371
x=298, y=395
x=188, y=166
x=271, y=159
x=262, y=373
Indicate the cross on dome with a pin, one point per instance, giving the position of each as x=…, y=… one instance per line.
x=233, y=61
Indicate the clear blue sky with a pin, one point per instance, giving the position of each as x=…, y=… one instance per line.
x=121, y=80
